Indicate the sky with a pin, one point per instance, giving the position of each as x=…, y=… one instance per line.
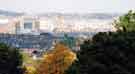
x=68, y=6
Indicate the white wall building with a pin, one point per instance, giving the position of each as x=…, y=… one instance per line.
x=27, y=25
x=56, y=24
x=46, y=25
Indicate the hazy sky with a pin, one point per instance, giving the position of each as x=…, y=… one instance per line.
x=80, y=6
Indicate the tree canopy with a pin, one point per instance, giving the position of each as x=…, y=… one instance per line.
x=56, y=61
x=106, y=53
x=126, y=22
x=69, y=41
x=10, y=60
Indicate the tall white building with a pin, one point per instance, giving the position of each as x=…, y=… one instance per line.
x=27, y=25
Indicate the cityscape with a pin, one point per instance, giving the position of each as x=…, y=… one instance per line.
x=67, y=37
x=27, y=29
x=57, y=23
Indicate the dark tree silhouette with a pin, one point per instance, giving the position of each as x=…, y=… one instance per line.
x=106, y=53
x=10, y=60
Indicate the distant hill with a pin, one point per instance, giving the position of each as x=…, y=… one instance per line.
x=9, y=13
x=83, y=16
x=65, y=15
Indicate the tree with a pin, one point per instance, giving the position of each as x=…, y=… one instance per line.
x=10, y=60
x=68, y=41
x=56, y=61
x=126, y=22
x=106, y=53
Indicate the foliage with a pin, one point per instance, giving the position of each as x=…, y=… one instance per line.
x=56, y=61
x=30, y=70
x=69, y=41
x=29, y=63
x=126, y=22
x=10, y=60
x=106, y=53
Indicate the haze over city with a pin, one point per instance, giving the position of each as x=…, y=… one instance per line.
x=68, y=6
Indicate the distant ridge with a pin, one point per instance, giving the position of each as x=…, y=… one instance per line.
x=65, y=15
x=83, y=16
x=10, y=13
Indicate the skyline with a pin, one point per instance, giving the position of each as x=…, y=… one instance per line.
x=68, y=6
